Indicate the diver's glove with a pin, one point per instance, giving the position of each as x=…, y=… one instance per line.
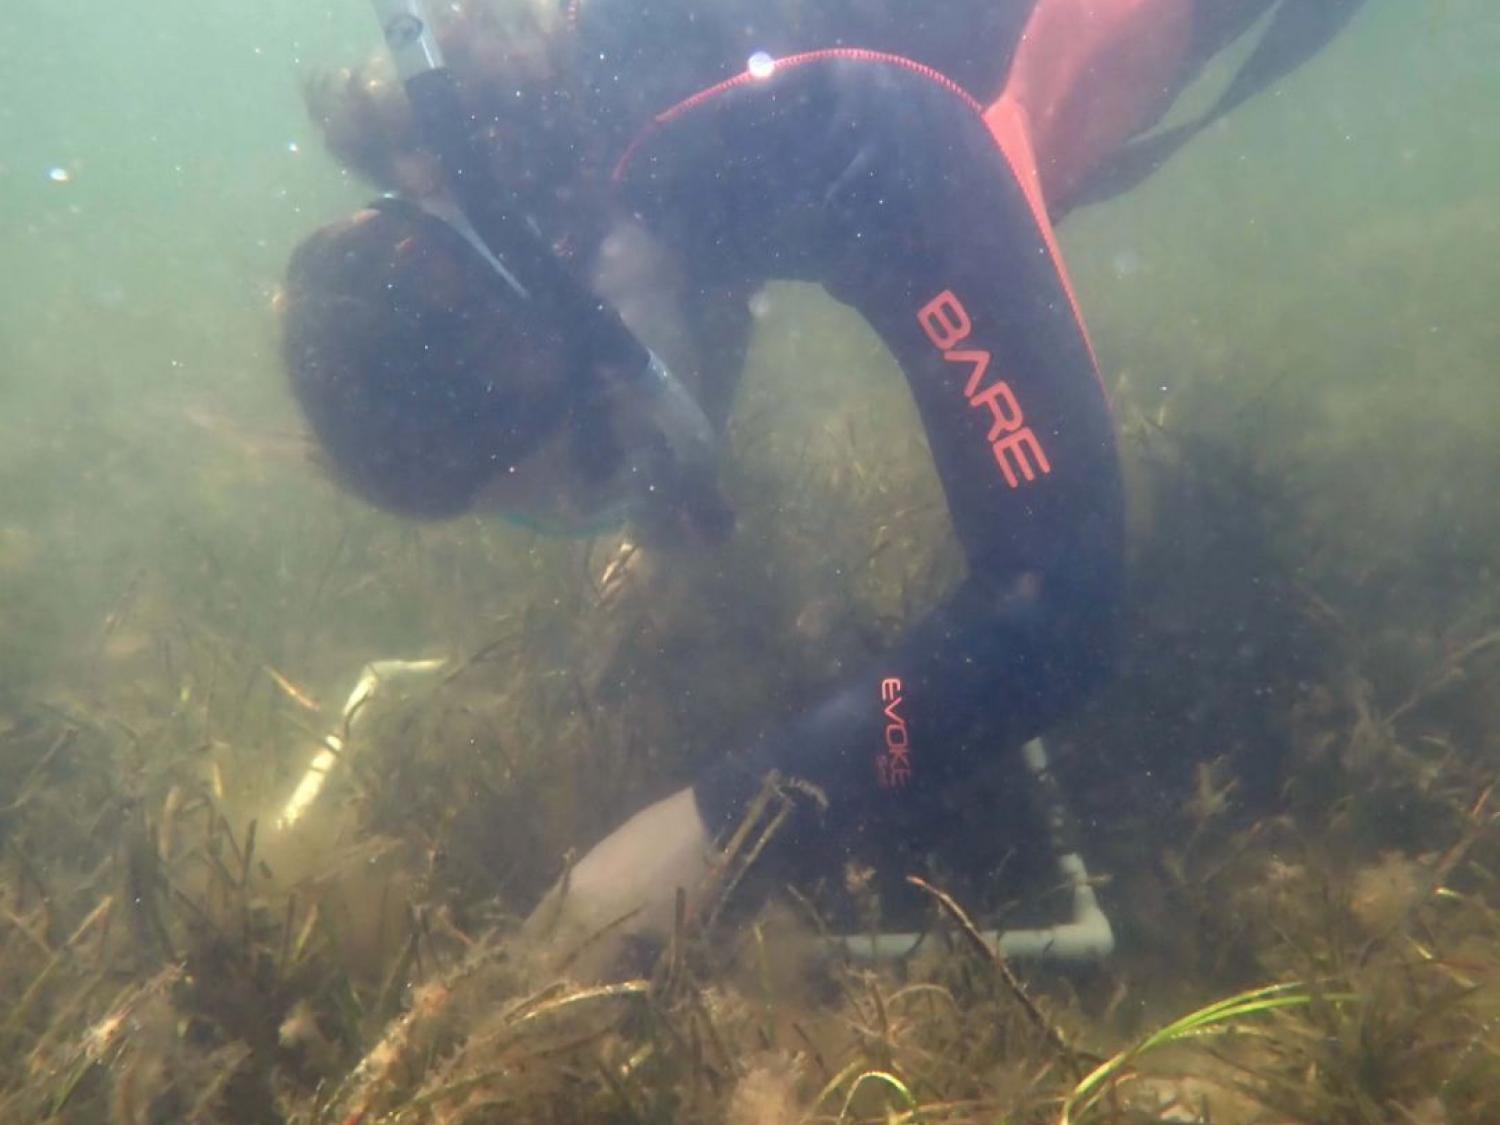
x=625, y=888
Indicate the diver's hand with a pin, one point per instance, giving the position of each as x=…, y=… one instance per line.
x=634, y=871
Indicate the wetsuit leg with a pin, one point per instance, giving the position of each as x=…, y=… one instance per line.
x=1297, y=31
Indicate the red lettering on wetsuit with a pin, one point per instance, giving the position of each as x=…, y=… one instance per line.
x=1017, y=451
x=893, y=764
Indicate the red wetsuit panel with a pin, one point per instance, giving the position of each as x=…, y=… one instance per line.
x=1087, y=76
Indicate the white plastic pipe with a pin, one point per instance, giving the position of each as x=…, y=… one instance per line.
x=1087, y=936
x=336, y=743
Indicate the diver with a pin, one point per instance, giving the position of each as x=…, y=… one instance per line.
x=456, y=348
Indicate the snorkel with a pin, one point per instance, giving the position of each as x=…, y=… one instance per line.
x=672, y=490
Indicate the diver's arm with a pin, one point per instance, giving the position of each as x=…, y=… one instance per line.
x=881, y=180
x=721, y=321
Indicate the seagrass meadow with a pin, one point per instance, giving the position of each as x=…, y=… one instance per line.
x=1286, y=793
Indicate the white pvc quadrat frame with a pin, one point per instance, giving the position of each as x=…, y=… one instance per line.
x=1086, y=936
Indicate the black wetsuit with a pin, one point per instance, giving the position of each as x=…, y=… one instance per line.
x=882, y=179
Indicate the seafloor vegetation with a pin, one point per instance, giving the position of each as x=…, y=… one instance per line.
x=1289, y=798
